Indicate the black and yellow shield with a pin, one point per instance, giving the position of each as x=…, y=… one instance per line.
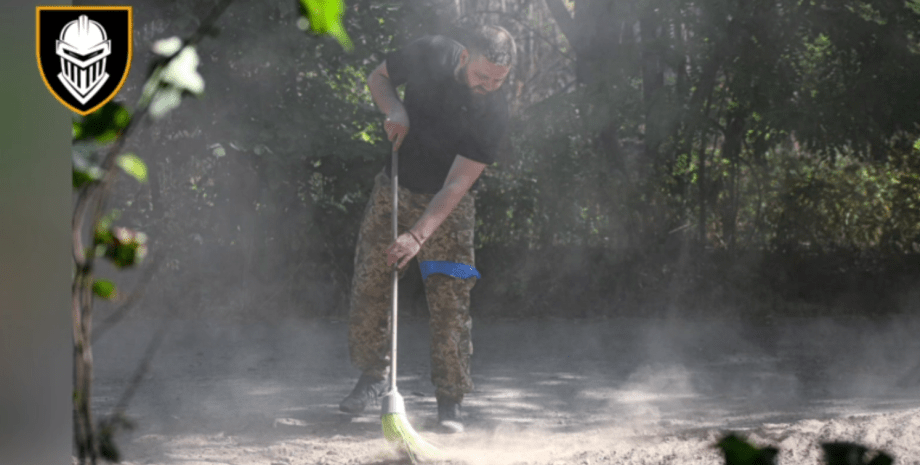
x=84, y=53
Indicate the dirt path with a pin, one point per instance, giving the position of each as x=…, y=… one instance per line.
x=615, y=391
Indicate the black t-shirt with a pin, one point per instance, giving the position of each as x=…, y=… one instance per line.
x=445, y=118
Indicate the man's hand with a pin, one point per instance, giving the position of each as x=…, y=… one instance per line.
x=384, y=95
x=403, y=250
x=397, y=125
x=463, y=173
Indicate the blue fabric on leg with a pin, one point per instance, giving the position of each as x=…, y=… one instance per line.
x=457, y=270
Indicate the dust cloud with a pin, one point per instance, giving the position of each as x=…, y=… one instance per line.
x=551, y=391
x=243, y=378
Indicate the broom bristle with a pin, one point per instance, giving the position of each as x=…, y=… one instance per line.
x=398, y=430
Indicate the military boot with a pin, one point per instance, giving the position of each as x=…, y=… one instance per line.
x=368, y=390
x=449, y=415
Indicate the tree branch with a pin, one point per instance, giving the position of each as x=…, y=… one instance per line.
x=564, y=20
x=97, y=192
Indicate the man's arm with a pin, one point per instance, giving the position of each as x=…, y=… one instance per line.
x=384, y=94
x=463, y=173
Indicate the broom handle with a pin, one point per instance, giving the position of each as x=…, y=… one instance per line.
x=395, y=176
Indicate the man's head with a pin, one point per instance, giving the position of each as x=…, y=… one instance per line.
x=487, y=60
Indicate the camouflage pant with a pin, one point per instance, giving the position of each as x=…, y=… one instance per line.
x=448, y=297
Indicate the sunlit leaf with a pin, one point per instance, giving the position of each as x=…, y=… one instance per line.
x=163, y=90
x=182, y=71
x=105, y=289
x=133, y=165
x=166, y=47
x=164, y=101
x=325, y=18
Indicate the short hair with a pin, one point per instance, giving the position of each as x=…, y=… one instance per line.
x=494, y=43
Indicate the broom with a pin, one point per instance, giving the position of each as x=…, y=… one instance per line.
x=396, y=427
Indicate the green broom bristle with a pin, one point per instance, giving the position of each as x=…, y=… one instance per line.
x=398, y=430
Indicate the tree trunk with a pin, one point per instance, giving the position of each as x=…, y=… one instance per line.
x=702, y=188
x=652, y=84
x=731, y=149
x=84, y=431
x=699, y=104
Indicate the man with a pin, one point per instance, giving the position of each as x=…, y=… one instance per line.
x=447, y=131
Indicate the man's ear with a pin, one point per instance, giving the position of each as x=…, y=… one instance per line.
x=464, y=57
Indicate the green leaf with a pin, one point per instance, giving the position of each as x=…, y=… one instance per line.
x=103, y=237
x=103, y=125
x=103, y=234
x=121, y=255
x=105, y=289
x=737, y=451
x=83, y=177
x=128, y=247
x=325, y=17
x=133, y=165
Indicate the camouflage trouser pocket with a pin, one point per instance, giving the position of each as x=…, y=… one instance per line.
x=448, y=297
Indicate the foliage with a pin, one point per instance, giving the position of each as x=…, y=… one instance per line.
x=743, y=127
x=122, y=246
x=103, y=125
x=738, y=451
x=751, y=133
x=278, y=187
x=325, y=17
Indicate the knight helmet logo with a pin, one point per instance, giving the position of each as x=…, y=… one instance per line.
x=84, y=53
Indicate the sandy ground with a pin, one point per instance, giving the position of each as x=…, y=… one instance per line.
x=627, y=391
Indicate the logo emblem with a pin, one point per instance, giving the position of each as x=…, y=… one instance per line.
x=84, y=53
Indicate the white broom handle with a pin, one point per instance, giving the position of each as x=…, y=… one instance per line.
x=394, y=171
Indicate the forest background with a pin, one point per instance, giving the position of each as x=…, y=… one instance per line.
x=717, y=158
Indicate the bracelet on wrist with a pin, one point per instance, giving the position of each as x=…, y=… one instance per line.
x=414, y=237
